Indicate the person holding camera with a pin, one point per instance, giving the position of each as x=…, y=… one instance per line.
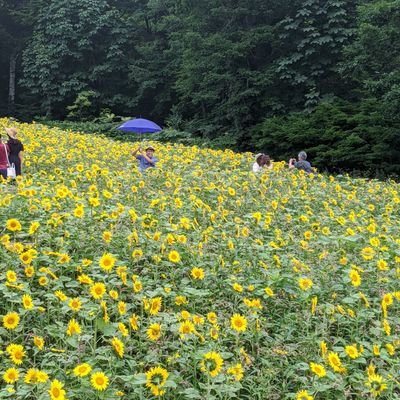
x=146, y=160
x=302, y=162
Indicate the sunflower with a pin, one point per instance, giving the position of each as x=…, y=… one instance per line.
x=134, y=322
x=352, y=351
x=97, y=290
x=174, y=256
x=186, y=328
x=13, y=225
x=154, y=332
x=27, y=302
x=238, y=323
x=305, y=284
x=303, y=395
x=16, y=353
x=355, y=277
x=318, y=369
x=107, y=262
x=212, y=363
x=237, y=371
x=73, y=328
x=367, y=253
x=123, y=329
x=38, y=341
x=75, y=304
x=56, y=390
x=11, y=375
x=376, y=384
x=82, y=370
x=334, y=362
x=11, y=320
x=99, y=381
x=155, y=305
x=197, y=273
x=118, y=346
x=11, y=276
x=156, y=379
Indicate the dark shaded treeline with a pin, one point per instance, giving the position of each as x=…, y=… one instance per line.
x=270, y=75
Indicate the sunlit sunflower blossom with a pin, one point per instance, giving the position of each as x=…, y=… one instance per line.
x=318, y=369
x=305, y=284
x=11, y=320
x=186, y=328
x=303, y=395
x=56, y=390
x=118, y=347
x=34, y=376
x=155, y=305
x=174, y=256
x=238, y=323
x=99, y=381
x=211, y=363
x=236, y=371
x=27, y=302
x=334, y=362
x=73, y=328
x=82, y=370
x=355, y=277
x=368, y=253
x=154, y=332
x=376, y=384
x=197, y=273
x=11, y=375
x=13, y=225
x=352, y=351
x=16, y=353
x=75, y=304
x=98, y=290
x=107, y=262
x=156, y=379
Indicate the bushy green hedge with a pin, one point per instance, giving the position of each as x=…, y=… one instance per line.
x=339, y=137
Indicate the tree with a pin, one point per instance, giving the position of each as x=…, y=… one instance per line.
x=77, y=45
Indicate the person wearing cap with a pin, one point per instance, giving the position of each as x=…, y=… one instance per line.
x=16, y=150
x=146, y=160
x=262, y=161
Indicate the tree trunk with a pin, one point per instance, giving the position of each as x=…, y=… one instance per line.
x=11, y=86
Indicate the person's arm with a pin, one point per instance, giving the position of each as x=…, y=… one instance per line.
x=152, y=162
x=138, y=150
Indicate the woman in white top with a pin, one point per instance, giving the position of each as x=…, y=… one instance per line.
x=263, y=161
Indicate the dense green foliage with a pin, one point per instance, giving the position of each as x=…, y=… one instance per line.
x=240, y=73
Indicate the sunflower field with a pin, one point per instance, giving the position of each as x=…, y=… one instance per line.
x=195, y=280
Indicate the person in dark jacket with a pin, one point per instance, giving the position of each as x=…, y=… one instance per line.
x=301, y=164
x=16, y=150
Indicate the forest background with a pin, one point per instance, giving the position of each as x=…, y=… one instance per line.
x=276, y=76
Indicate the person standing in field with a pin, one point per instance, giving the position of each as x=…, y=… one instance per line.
x=16, y=150
x=146, y=160
x=4, y=151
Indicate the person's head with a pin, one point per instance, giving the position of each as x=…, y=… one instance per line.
x=150, y=151
x=11, y=132
x=259, y=158
x=266, y=159
x=302, y=156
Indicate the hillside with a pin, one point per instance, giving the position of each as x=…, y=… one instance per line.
x=195, y=280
